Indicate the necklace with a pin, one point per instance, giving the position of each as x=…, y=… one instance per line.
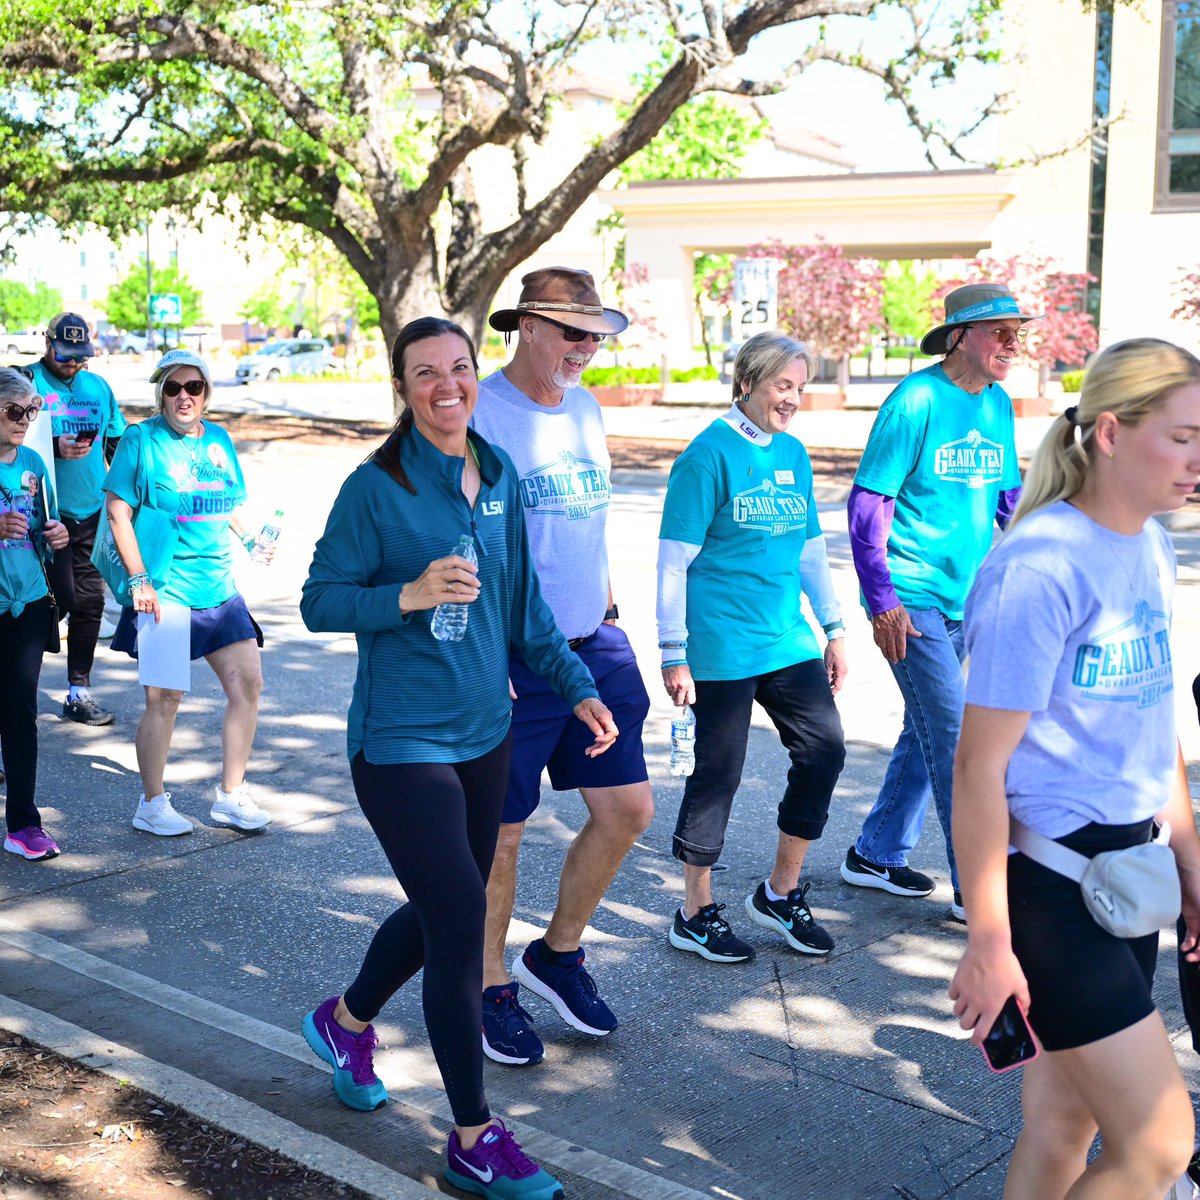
x=1130, y=575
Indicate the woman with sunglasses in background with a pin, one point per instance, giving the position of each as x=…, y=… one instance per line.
x=28, y=524
x=186, y=467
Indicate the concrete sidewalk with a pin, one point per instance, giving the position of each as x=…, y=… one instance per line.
x=842, y=1079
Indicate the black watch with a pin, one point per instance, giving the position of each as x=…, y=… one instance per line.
x=612, y=614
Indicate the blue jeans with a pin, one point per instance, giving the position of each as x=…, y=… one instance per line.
x=931, y=681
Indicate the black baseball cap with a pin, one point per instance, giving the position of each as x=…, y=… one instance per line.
x=68, y=334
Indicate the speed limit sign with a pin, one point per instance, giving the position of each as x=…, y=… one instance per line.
x=755, y=296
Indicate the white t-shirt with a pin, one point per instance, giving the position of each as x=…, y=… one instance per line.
x=562, y=461
x=1071, y=622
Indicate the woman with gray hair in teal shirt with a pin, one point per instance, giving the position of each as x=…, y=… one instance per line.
x=427, y=730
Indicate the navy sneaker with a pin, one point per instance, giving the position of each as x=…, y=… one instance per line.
x=708, y=934
x=958, y=911
x=497, y=1166
x=790, y=917
x=900, y=881
x=568, y=987
x=349, y=1054
x=508, y=1035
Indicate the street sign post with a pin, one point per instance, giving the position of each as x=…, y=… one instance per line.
x=755, y=296
x=166, y=309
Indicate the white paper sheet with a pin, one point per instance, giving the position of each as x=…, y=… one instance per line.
x=165, y=649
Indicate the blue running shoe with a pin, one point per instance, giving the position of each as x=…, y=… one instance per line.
x=496, y=1166
x=569, y=987
x=349, y=1054
x=508, y=1035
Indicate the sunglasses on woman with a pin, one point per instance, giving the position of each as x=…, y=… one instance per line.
x=16, y=414
x=193, y=387
x=569, y=332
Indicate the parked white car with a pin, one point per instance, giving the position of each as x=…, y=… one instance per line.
x=24, y=341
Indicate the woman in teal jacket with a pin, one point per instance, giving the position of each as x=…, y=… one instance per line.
x=427, y=730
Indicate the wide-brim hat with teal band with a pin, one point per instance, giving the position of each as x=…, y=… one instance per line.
x=974, y=302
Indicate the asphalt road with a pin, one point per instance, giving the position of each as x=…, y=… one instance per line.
x=842, y=1079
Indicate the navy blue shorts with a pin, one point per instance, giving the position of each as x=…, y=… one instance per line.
x=212, y=628
x=546, y=732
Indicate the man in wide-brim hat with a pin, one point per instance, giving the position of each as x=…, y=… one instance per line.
x=563, y=294
x=939, y=467
x=536, y=410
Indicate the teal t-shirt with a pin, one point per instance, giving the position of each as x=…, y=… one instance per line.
x=945, y=455
x=199, y=481
x=750, y=509
x=87, y=402
x=24, y=486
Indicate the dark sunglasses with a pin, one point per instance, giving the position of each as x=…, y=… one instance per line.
x=193, y=387
x=569, y=332
x=16, y=414
x=80, y=359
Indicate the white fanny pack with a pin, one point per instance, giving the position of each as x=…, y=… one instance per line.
x=1129, y=893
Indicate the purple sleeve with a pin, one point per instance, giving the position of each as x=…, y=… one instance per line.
x=870, y=523
x=1006, y=506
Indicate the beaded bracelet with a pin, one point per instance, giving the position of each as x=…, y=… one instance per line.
x=137, y=581
x=672, y=645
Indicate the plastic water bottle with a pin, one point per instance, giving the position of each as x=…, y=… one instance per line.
x=268, y=535
x=683, y=741
x=449, y=622
x=22, y=503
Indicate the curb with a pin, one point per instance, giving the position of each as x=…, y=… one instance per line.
x=212, y=1104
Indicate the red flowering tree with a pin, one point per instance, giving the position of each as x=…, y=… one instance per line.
x=1067, y=333
x=1187, y=289
x=827, y=298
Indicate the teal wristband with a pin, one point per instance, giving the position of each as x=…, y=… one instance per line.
x=248, y=540
x=675, y=662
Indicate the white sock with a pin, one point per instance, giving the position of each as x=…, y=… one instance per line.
x=771, y=893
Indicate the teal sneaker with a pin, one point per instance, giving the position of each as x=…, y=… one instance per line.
x=497, y=1167
x=349, y=1054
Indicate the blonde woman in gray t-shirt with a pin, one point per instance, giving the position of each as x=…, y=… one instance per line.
x=1074, y=736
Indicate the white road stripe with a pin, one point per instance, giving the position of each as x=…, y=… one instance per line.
x=551, y=1150
x=211, y=1104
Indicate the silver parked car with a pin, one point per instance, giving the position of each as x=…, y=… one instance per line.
x=290, y=356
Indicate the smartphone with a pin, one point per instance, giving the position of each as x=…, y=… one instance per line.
x=86, y=435
x=1010, y=1043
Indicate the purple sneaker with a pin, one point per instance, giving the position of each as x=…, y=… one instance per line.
x=32, y=842
x=349, y=1054
x=497, y=1166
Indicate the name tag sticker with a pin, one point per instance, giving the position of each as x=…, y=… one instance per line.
x=784, y=477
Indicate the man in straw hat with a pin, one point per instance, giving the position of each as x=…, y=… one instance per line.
x=551, y=427
x=939, y=467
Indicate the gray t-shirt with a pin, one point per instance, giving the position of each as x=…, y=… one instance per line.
x=1070, y=622
x=561, y=457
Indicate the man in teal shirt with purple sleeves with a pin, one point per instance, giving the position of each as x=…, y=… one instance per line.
x=939, y=467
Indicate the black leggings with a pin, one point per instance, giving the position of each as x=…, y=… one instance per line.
x=437, y=824
x=79, y=590
x=22, y=643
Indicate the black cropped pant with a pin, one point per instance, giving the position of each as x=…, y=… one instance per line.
x=799, y=702
x=79, y=590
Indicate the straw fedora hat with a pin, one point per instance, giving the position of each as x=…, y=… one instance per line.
x=974, y=302
x=563, y=294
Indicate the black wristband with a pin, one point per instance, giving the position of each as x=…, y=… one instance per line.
x=612, y=614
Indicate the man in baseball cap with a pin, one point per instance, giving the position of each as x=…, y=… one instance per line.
x=86, y=425
x=939, y=467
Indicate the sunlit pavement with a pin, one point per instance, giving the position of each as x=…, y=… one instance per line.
x=780, y=1078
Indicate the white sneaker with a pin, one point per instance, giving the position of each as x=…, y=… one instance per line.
x=158, y=817
x=237, y=809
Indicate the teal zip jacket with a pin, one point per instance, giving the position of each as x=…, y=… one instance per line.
x=417, y=699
